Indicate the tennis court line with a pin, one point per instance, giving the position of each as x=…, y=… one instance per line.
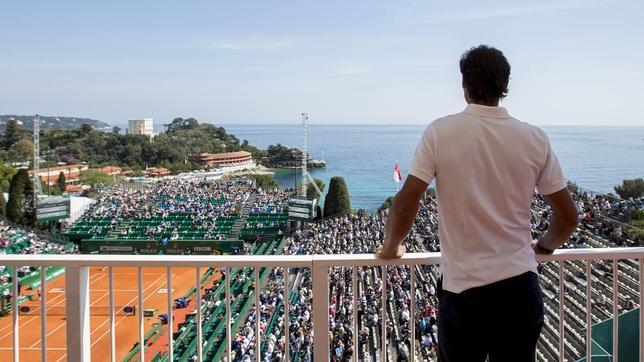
x=122, y=318
x=49, y=306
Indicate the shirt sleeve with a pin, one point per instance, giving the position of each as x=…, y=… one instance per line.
x=423, y=165
x=551, y=177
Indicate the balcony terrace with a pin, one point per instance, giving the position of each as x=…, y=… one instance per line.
x=567, y=340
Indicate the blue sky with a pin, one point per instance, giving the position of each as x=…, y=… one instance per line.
x=395, y=62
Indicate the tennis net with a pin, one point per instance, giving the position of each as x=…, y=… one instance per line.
x=120, y=310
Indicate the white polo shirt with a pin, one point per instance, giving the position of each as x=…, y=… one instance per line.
x=486, y=165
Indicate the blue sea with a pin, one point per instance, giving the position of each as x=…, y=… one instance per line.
x=596, y=158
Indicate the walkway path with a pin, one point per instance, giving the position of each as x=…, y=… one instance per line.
x=243, y=216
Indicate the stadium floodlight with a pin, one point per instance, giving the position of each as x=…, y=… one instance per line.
x=37, y=188
x=305, y=136
x=306, y=177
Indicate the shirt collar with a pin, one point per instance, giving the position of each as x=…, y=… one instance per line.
x=486, y=111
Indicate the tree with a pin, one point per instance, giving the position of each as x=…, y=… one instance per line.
x=11, y=134
x=62, y=181
x=631, y=188
x=184, y=137
x=94, y=178
x=16, y=204
x=6, y=174
x=265, y=181
x=337, y=201
x=311, y=192
x=387, y=204
x=277, y=155
x=22, y=151
x=256, y=153
x=86, y=128
x=573, y=187
x=29, y=211
x=3, y=206
x=4, y=155
x=182, y=124
x=116, y=130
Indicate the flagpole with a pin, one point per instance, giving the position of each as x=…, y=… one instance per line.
x=397, y=182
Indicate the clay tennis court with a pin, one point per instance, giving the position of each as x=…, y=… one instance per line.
x=125, y=293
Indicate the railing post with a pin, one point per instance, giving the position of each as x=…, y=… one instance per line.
x=110, y=287
x=641, y=284
x=43, y=313
x=16, y=316
x=77, y=312
x=320, y=283
x=287, y=320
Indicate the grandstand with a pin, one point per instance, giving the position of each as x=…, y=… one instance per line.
x=169, y=215
x=264, y=226
x=174, y=220
x=14, y=240
x=359, y=234
x=187, y=216
x=575, y=306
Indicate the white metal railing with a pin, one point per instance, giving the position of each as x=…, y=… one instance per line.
x=78, y=303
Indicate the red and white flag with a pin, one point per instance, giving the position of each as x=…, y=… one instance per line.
x=397, y=176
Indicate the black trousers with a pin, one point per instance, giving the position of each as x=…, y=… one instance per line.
x=500, y=321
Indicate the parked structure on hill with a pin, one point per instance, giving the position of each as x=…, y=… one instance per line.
x=144, y=126
x=72, y=173
x=225, y=159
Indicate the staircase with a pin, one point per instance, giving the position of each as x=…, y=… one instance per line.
x=116, y=232
x=243, y=216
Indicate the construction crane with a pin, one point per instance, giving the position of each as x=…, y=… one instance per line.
x=37, y=188
x=306, y=177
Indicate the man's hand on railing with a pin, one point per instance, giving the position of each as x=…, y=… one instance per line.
x=385, y=252
x=540, y=250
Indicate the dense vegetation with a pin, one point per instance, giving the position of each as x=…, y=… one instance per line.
x=3, y=205
x=20, y=207
x=277, y=155
x=169, y=149
x=337, y=201
x=94, y=178
x=431, y=192
x=311, y=192
x=6, y=174
x=62, y=181
x=264, y=181
x=631, y=188
x=14, y=148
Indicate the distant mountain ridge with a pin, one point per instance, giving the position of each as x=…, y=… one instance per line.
x=53, y=122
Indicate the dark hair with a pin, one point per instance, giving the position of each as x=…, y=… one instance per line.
x=486, y=73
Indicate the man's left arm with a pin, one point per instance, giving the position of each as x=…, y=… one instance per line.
x=402, y=213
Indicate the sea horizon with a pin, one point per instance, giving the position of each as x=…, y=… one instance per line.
x=593, y=157
x=158, y=127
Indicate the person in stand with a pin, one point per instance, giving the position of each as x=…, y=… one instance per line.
x=486, y=165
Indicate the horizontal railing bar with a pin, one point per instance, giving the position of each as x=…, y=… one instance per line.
x=147, y=261
x=227, y=261
x=329, y=260
x=593, y=254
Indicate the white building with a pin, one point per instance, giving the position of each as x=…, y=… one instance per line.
x=141, y=126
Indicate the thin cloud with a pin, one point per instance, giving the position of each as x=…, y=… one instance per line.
x=91, y=66
x=498, y=12
x=405, y=10
x=354, y=68
x=251, y=44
